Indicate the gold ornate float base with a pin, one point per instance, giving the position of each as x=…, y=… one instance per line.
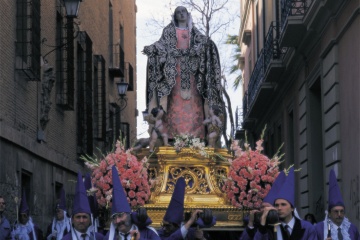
x=204, y=177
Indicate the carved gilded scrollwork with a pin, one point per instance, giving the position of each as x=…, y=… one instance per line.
x=195, y=180
x=217, y=176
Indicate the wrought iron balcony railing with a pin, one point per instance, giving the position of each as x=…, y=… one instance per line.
x=238, y=118
x=257, y=77
x=270, y=52
x=245, y=104
x=271, y=48
x=293, y=8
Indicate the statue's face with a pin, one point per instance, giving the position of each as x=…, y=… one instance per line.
x=181, y=14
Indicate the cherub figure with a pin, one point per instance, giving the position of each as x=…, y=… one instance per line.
x=214, y=125
x=158, y=130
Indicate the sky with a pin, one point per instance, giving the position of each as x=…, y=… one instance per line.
x=148, y=33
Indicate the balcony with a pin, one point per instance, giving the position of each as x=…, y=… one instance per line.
x=117, y=62
x=293, y=28
x=258, y=91
x=267, y=71
x=273, y=55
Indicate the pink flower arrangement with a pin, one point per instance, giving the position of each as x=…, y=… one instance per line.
x=132, y=173
x=250, y=176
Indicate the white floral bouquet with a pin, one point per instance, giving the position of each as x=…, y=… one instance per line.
x=185, y=140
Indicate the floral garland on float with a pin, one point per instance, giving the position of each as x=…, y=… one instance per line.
x=251, y=175
x=132, y=173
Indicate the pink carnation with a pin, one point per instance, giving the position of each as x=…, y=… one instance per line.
x=131, y=194
x=134, y=177
x=250, y=176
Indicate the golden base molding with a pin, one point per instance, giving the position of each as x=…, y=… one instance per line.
x=204, y=177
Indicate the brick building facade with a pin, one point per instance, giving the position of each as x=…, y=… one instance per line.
x=58, y=96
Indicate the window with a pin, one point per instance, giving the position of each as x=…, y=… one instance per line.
x=28, y=38
x=26, y=185
x=130, y=77
x=122, y=53
x=85, y=93
x=65, y=70
x=114, y=125
x=125, y=133
x=99, y=98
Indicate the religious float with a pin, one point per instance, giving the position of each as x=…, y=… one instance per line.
x=229, y=183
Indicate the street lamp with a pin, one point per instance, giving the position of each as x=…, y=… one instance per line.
x=122, y=88
x=72, y=8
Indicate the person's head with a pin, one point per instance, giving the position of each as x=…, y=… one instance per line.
x=60, y=214
x=285, y=210
x=2, y=205
x=174, y=215
x=336, y=206
x=169, y=227
x=81, y=222
x=24, y=210
x=310, y=218
x=122, y=221
x=180, y=15
x=23, y=217
x=337, y=214
x=120, y=209
x=81, y=212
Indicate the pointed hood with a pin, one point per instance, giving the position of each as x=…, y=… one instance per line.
x=91, y=198
x=175, y=210
x=335, y=198
x=23, y=208
x=119, y=199
x=81, y=202
x=287, y=190
x=270, y=197
x=62, y=200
